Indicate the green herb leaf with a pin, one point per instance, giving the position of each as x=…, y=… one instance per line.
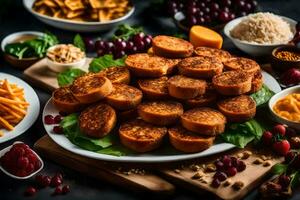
x=67, y=77
x=126, y=31
x=279, y=168
x=262, y=96
x=115, y=150
x=78, y=42
x=295, y=179
x=104, y=62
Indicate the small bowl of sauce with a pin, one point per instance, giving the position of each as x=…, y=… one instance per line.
x=285, y=57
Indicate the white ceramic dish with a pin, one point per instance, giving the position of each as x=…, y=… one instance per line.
x=278, y=96
x=60, y=67
x=152, y=157
x=32, y=111
x=250, y=48
x=3, y=151
x=76, y=25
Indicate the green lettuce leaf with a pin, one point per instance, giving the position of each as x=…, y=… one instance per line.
x=67, y=77
x=78, y=42
x=262, y=96
x=104, y=62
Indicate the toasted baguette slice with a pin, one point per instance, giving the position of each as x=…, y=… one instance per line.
x=257, y=82
x=204, y=121
x=154, y=89
x=202, y=100
x=145, y=65
x=200, y=67
x=171, y=47
x=182, y=87
x=160, y=113
x=187, y=141
x=238, y=109
x=64, y=100
x=91, y=88
x=233, y=82
x=116, y=74
x=244, y=64
x=219, y=54
x=97, y=120
x=141, y=136
x=124, y=97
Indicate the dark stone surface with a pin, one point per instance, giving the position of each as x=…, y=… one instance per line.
x=13, y=18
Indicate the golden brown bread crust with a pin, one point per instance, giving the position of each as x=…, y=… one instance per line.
x=204, y=121
x=183, y=87
x=145, y=65
x=200, y=67
x=219, y=54
x=91, y=88
x=171, y=47
x=162, y=113
x=202, y=100
x=124, y=97
x=232, y=82
x=155, y=89
x=64, y=100
x=257, y=82
x=244, y=64
x=187, y=141
x=141, y=136
x=116, y=74
x=238, y=109
x=97, y=120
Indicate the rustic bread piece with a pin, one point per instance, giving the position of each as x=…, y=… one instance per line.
x=154, y=89
x=219, y=54
x=91, y=88
x=187, y=141
x=202, y=100
x=200, y=67
x=145, y=65
x=97, y=120
x=183, y=87
x=239, y=63
x=204, y=121
x=160, y=113
x=233, y=82
x=257, y=82
x=171, y=47
x=116, y=74
x=238, y=109
x=141, y=136
x=124, y=97
x=64, y=100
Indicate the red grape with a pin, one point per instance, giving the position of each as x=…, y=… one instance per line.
x=147, y=40
x=66, y=189
x=58, y=129
x=57, y=119
x=99, y=44
x=215, y=7
x=192, y=20
x=119, y=45
x=226, y=2
x=215, y=183
x=224, y=16
x=140, y=45
x=49, y=119
x=30, y=191
x=109, y=46
x=89, y=43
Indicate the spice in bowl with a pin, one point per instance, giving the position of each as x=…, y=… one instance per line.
x=287, y=55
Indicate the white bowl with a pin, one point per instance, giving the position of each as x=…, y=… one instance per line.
x=250, y=48
x=76, y=25
x=60, y=67
x=3, y=151
x=278, y=96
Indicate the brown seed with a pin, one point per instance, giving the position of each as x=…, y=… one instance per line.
x=197, y=175
x=267, y=163
x=238, y=185
x=210, y=168
x=258, y=161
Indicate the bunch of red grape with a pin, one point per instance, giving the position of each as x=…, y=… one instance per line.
x=211, y=12
x=139, y=42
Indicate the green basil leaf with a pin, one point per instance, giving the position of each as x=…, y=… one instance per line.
x=279, y=168
x=78, y=42
x=67, y=77
x=125, y=31
x=104, y=62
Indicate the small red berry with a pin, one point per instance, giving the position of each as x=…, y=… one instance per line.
x=231, y=171
x=37, y=165
x=241, y=166
x=55, y=181
x=57, y=119
x=22, y=162
x=30, y=191
x=215, y=183
x=279, y=129
x=58, y=129
x=227, y=161
x=281, y=147
x=49, y=119
x=59, y=175
x=57, y=190
x=66, y=189
x=30, y=168
x=45, y=181
x=267, y=137
x=21, y=173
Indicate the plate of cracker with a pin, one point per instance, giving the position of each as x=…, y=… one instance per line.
x=80, y=15
x=19, y=107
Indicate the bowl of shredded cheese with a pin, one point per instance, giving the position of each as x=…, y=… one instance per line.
x=258, y=34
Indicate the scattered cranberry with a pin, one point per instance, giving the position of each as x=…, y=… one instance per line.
x=284, y=181
x=289, y=156
x=231, y=171
x=59, y=175
x=22, y=162
x=281, y=147
x=267, y=137
x=30, y=191
x=215, y=183
x=45, y=181
x=56, y=181
x=221, y=176
x=234, y=161
x=219, y=165
x=57, y=191
x=241, y=166
x=49, y=119
x=227, y=161
x=279, y=129
x=66, y=189
x=57, y=119
x=58, y=129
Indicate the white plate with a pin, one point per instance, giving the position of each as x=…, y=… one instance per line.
x=76, y=25
x=152, y=157
x=32, y=111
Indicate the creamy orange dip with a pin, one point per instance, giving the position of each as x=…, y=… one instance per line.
x=288, y=107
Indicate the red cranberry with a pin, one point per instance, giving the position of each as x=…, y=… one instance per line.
x=57, y=129
x=30, y=191
x=57, y=119
x=56, y=181
x=241, y=166
x=267, y=137
x=215, y=183
x=37, y=165
x=21, y=145
x=30, y=168
x=66, y=189
x=32, y=158
x=231, y=171
x=18, y=151
x=234, y=161
x=21, y=173
x=22, y=162
x=59, y=175
x=45, y=181
x=57, y=191
x=227, y=162
x=49, y=119
x=290, y=156
x=279, y=129
x=221, y=176
x=219, y=165
x=284, y=181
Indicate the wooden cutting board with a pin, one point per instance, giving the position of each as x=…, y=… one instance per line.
x=159, y=178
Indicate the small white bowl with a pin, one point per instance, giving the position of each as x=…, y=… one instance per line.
x=3, y=151
x=278, y=96
x=60, y=67
x=76, y=25
x=250, y=48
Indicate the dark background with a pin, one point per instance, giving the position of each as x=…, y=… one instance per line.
x=13, y=18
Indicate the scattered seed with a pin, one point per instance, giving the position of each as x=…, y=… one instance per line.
x=267, y=163
x=227, y=183
x=238, y=185
x=210, y=168
x=177, y=171
x=258, y=161
x=197, y=175
x=246, y=155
